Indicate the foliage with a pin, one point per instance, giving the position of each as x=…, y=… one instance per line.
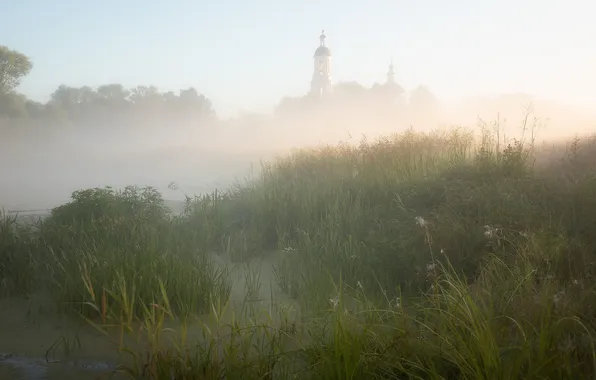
x=99, y=205
x=116, y=248
x=420, y=256
x=113, y=104
x=13, y=67
x=95, y=106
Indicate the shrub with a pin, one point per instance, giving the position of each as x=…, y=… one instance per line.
x=114, y=249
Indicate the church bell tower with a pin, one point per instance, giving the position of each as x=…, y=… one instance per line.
x=321, y=77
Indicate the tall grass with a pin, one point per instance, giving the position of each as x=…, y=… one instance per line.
x=353, y=209
x=114, y=249
x=422, y=256
x=17, y=274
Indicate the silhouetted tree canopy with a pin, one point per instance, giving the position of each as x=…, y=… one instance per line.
x=110, y=103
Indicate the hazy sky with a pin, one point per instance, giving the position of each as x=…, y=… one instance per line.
x=245, y=55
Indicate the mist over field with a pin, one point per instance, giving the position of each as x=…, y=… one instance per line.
x=85, y=135
x=42, y=164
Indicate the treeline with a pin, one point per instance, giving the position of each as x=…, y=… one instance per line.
x=113, y=104
x=108, y=103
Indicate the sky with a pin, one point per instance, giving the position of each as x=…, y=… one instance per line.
x=246, y=55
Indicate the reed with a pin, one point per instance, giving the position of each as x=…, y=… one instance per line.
x=421, y=256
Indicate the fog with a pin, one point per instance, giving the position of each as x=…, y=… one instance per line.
x=93, y=129
x=40, y=172
x=41, y=165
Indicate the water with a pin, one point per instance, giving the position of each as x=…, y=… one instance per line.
x=37, y=344
x=27, y=368
x=45, y=178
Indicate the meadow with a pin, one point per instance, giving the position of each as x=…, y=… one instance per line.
x=446, y=255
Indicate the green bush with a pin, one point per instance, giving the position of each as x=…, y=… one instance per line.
x=117, y=248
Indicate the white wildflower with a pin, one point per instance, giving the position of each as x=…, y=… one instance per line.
x=359, y=284
x=490, y=231
x=289, y=249
x=420, y=221
x=431, y=267
x=578, y=284
x=353, y=257
x=334, y=301
x=559, y=296
x=442, y=251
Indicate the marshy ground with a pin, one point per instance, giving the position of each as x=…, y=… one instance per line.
x=418, y=256
x=38, y=343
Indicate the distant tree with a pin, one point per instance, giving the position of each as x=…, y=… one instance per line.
x=350, y=91
x=422, y=96
x=67, y=97
x=114, y=91
x=185, y=102
x=56, y=112
x=393, y=90
x=389, y=93
x=13, y=67
x=195, y=105
x=13, y=105
x=422, y=99
x=289, y=106
x=87, y=95
x=108, y=104
x=113, y=96
x=189, y=95
x=35, y=110
x=66, y=103
x=424, y=106
x=145, y=96
x=170, y=98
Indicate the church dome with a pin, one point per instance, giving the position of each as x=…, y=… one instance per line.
x=323, y=51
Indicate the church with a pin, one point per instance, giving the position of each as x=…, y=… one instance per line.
x=321, y=82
